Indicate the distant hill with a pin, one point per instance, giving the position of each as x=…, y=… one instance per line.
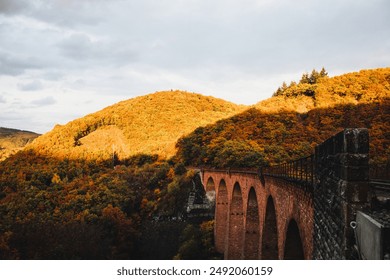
x=298, y=117
x=149, y=124
x=13, y=140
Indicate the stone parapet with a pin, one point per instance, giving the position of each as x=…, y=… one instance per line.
x=341, y=188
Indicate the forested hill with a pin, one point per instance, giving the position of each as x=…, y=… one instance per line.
x=13, y=140
x=317, y=90
x=149, y=124
x=298, y=117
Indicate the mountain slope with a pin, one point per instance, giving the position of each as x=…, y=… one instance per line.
x=13, y=140
x=288, y=126
x=148, y=124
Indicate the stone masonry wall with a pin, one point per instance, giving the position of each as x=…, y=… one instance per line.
x=341, y=188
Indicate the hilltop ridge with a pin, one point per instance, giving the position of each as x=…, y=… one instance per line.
x=149, y=124
x=364, y=86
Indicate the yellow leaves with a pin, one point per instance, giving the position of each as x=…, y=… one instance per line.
x=82, y=215
x=57, y=212
x=56, y=179
x=171, y=174
x=88, y=196
x=148, y=124
x=325, y=121
x=144, y=203
x=113, y=213
x=157, y=192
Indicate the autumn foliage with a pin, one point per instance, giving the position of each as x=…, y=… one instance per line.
x=78, y=209
x=114, y=184
x=149, y=124
x=290, y=124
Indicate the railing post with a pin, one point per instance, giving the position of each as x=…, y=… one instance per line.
x=312, y=170
x=300, y=169
x=306, y=177
x=295, y=170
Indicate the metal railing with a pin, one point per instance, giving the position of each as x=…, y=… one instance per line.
x=300, y=171
x=380, y=171
x=231, y=170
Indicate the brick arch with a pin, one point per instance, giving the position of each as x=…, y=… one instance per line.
x=210, y=190
x=210, y=185
x=221, y=216
x=252, y=227
x=293, y=247
x=236, y=224
x=269, y=244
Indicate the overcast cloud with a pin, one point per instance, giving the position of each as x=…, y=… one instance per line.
x=63, y=59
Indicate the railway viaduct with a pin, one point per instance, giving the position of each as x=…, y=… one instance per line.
x=298, y=210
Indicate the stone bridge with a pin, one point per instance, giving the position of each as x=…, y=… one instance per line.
x=298, y=210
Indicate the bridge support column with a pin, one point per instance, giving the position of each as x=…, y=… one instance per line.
x=221, y=217
x=341, y=188
x=252, y=228
x=235, y=237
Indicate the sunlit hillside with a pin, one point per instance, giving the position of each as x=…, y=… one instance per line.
x=149, y=124
x=13, y=140
x=317, y=90
x=298, y=117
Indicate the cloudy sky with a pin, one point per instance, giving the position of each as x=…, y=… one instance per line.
x=63, y=59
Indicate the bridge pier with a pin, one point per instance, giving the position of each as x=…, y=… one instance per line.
x=252, y=228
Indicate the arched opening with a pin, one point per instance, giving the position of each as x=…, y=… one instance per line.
x=293, y=249
x=210, y=186
x=221, y=217
x=252, y=228
x=236, y=225
x=210, y=191
x=269, y=244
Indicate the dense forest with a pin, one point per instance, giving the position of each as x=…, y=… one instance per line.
x=113, y=185
x=79, y=209
x=254, y=138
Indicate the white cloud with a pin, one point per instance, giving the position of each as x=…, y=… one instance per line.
x=49, y=100
x=31, y=86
